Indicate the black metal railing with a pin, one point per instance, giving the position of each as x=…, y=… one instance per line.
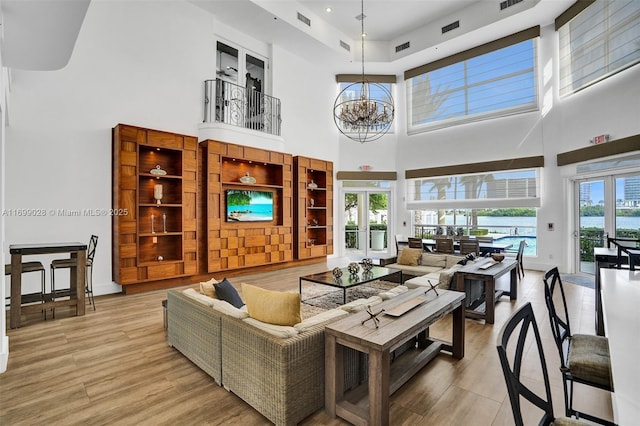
x=235, y=105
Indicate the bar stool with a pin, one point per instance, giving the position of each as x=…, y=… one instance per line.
x=30, y=267
x=69, y=263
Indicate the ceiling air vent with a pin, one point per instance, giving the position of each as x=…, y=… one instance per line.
x=401, y=47
x=345, y=46
x=451, y=26
x=304, y=19
x=508, y=3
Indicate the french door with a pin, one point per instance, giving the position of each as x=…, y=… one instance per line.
x=366, y=216
x=605, y=206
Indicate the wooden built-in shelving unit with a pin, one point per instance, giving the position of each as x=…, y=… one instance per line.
x=153, y=240
x=313, y=216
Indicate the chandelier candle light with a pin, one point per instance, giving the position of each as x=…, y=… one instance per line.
x=363, y=118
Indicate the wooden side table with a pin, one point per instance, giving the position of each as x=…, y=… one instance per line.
x=358, y=407
x=488, y=277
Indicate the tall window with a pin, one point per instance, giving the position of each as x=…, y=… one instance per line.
x=602, y=40
x=478, y=86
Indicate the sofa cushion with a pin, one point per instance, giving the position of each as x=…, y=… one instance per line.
x=225, y=291
x=321, y=318
x=206, y=288
x=204, y=299
x=228, y=309
x=273, y=307
x=435, y=260
x=409, y=256
x=360, y=304
x=281, y=331
x=446, y=276
x=452, y=260
x=414, y=270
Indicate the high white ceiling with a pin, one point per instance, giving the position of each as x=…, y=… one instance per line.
x=41, y=34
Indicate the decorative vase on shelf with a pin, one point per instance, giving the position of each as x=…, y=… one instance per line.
x=312, y=185
x=248, y=179
x=157, y=193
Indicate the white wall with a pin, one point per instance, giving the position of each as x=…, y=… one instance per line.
x=4, y=340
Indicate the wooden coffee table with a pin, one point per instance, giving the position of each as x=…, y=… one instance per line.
x=489, y=276
x=348, y=281
x=372, y=408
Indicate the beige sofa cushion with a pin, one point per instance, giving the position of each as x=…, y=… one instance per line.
x=204, y=299
x=273, y=307
x=361, y=304
x=409, y=256
x=452, y=260
x=435, y=260
x=321, y=318
x=415, y=270
x=281, y=331
x=207, y=288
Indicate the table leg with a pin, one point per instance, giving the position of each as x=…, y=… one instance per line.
x=333, y=364
x=16, y=290
x=458, y=331
x=77, y=279
x=379, y=382
x=489, y=300
x=599, y=316
x=513, y=288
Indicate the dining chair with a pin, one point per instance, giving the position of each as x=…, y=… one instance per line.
x=32, y=297
x=444, y=245
x=584, y=358
x=401, y=242
x=519, y=255
x=523, y=323
x=469, y=246
x=415, y=243
x=69, y=263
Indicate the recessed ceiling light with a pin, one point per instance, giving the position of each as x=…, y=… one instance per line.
x=329, y=9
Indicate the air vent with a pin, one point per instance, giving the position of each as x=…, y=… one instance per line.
x=451, y=26
x=401, y=47
x=345, y=46
x=508, y=3
x=304, y=19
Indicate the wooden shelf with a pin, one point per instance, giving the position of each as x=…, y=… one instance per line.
x=136, y=249
x=251, y=185
x=313, y=213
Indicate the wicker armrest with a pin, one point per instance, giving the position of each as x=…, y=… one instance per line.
x=194, y=330
x=281, y=378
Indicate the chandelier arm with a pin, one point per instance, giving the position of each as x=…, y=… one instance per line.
x=362, y=34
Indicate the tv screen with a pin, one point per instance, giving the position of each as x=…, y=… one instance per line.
x=249, y=206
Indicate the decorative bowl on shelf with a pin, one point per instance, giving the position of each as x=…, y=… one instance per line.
x=498, y=257
x=158, y=171
x=248, y=179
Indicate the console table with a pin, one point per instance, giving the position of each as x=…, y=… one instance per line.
x=77, y=251
x=393, y=332
x=489, y=276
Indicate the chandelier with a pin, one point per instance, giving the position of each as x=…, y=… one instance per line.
x=363, y=111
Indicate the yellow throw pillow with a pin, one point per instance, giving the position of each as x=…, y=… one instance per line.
x=273, y=307
x=206, y=288
x=409, y=256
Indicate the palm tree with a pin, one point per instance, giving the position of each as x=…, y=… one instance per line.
x=473, y=186
x=440, y=186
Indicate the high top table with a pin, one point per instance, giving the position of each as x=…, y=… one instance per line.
x=620, y=302
x=77, y=251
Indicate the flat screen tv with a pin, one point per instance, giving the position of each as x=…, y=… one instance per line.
x=249, y=206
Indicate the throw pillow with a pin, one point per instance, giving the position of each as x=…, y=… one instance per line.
x=206, y=288
x=272, y=307
x=435, y=260
x=409, y=256
x=225, y=291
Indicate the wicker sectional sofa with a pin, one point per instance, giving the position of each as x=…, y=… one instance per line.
x=438, y=268
x=281, y=377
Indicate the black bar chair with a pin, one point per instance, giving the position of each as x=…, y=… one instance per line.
x=584, y=358
x=523, y=322
x=31, y=297
x=69, y=263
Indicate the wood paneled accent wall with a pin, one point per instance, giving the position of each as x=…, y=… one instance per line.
x=143, y=251
x=237, y=244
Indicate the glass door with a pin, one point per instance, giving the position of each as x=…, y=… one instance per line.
x=607, y=206
x=366, y=215
x=591, y=222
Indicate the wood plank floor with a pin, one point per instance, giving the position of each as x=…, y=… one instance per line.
x=113, y=366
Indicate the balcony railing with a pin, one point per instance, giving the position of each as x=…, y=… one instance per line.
x=237, y=106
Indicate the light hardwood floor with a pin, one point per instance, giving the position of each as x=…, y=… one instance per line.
x=113, y=366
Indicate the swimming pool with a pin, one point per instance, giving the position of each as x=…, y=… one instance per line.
x=529, y=249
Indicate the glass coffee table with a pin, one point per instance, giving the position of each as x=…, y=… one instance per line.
x=348, y=281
